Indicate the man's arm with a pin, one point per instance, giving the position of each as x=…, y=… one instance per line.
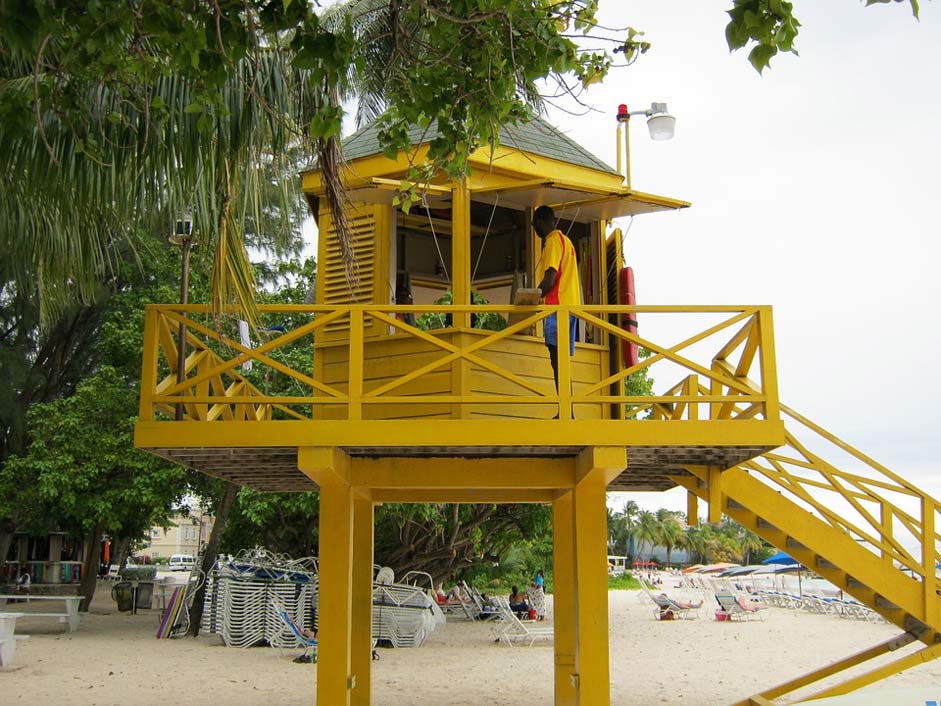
x=548, y=281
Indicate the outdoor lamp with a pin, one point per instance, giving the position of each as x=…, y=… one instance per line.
x=183, y=227
x=660, y=124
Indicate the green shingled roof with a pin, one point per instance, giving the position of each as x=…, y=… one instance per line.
x=536, y=137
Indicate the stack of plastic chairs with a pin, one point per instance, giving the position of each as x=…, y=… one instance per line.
x=403, y=615
x=244, y=607
x=297, y=600
x=243, y=595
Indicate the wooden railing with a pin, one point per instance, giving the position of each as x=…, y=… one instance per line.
x=715, y=349
x=822, y=474
x=882, y=511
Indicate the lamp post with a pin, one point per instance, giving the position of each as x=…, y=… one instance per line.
x=183, y=237
x=660, y=123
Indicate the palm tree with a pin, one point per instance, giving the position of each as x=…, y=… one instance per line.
x=750, y=544
x=647, y=532
x=698, y=540
x=670, y=531
x=67, y=207
x=621, y=526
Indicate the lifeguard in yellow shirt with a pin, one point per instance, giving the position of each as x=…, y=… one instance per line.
x=557, y=273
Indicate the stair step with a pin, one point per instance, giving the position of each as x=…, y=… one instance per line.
x=735, y=505
x=915, y=626
x=825, y=563
x=883, y=602
x=794, y=544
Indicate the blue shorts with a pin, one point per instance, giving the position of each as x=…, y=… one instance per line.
x=551, y=334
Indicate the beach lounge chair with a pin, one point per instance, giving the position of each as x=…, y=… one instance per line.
x=738, y=607
x=511, y=629
x=308, y=643
x=667, y=608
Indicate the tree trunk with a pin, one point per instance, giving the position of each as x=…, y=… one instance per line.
x=90, y=571
x=120, y=552
x=7, y=530
x=209, y=556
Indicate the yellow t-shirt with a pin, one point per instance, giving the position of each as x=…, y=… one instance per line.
x=559, y=254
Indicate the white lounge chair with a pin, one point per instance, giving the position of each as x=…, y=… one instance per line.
x=668, y=608
x=511, y=629
x=737, y=607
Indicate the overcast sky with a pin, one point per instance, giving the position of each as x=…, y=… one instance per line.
x=813, y=190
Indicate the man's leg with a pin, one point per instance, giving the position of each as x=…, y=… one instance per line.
x=554, y=362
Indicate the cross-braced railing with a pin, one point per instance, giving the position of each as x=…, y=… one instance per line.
x=716, y=348
x=883, y=512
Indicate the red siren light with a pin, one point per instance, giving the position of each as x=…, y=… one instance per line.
x=623, y=115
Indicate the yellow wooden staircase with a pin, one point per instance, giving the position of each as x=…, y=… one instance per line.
x=856, y=523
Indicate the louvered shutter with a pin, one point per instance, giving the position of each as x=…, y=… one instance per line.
x=337, y=287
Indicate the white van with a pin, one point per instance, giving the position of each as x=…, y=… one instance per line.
x=181, y=562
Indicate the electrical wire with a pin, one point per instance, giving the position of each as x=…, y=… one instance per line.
x=486, y=233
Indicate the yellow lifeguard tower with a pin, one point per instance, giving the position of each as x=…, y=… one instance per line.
x=451, y=412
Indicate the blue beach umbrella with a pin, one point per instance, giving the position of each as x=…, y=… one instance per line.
x=780, y=558
x=786, y=560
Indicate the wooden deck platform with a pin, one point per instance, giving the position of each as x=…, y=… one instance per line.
x=274, y=468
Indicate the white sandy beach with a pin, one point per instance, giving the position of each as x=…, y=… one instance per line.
x=114, y=660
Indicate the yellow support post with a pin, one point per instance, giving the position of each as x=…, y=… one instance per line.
x=565, y=364
x=595, y=467
x=885, y=525
x=335, y=679
x=769, y=367
x=148, y=381
x=563, y=577
x=357, y=344
x=692, y=509
x=715, y=494
x=460, y=251
x=929, y=559
x=363, y=528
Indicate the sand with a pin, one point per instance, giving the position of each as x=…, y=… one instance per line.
x=114, y=659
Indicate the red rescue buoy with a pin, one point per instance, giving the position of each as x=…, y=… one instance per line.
x=628, y=321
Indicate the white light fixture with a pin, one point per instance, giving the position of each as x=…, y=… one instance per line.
x=660, y=124
x=183, y=227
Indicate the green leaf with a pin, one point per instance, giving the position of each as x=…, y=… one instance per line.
x=760, y=56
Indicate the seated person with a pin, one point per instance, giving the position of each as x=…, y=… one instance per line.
x=686, y=605
x=440, y=596
x=455, y=595
x=22, y=583
x=537, y=600
x=518, y=603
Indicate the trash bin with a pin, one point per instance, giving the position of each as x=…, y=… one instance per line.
x=123, y=595
x=145, y=594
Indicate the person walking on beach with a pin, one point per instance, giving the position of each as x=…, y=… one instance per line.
x=557, y=273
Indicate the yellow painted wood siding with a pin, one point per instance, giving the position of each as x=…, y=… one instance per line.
x=395, y=356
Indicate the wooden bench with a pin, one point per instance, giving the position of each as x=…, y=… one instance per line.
x=69, y=616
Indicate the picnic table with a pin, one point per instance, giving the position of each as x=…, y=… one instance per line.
x=68, y=616
x=7, y=638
